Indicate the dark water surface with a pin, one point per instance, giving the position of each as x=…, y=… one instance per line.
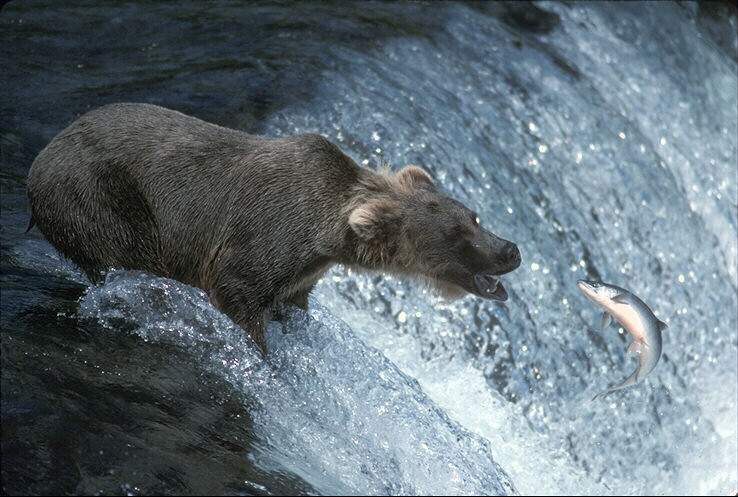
x=600, y=137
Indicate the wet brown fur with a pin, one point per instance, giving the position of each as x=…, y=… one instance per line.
x=253, y=221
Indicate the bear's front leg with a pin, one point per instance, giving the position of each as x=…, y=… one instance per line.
x=251, y=320
x=281, y=309
x=254, y=326
x=240, y=303
x=300, y=299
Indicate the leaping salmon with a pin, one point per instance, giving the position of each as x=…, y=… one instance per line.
x=636, y=318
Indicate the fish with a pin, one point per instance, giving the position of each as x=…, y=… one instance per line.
x=636, y=318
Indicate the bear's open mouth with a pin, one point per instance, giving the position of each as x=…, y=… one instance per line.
x=489, y=286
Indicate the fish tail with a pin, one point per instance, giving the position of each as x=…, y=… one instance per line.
x=602, y=395
x=632, y=380
x=608, y=392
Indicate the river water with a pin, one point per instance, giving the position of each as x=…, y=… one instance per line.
x=601, y=138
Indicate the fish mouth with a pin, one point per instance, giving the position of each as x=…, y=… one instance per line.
x=488, y=286
x=586, y=288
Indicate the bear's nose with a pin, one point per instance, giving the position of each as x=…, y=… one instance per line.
x=513, y=255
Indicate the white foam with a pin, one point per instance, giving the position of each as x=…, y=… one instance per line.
x=325, y=406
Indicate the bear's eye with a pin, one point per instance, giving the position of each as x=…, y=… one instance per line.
x=451, y=233
x=475, y=218
x=460, y=232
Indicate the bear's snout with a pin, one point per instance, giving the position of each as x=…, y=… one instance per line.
x=500, y=256
x=513, y=256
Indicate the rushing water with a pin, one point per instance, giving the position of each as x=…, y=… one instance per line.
x=601, y=138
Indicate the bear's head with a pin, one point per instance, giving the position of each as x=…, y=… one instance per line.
x=404, y=224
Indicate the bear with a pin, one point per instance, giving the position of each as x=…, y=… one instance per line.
x=253, y=221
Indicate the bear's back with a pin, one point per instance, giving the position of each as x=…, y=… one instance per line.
x=141, y=186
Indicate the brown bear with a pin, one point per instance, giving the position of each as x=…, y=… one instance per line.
x=253, y=221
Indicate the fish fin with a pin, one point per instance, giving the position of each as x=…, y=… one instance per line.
x=621, y=298
x=637, y=347
x=662, y=326
x=606, y=320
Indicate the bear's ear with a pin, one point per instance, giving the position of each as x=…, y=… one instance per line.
x=375, y=219
x=410, y=177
